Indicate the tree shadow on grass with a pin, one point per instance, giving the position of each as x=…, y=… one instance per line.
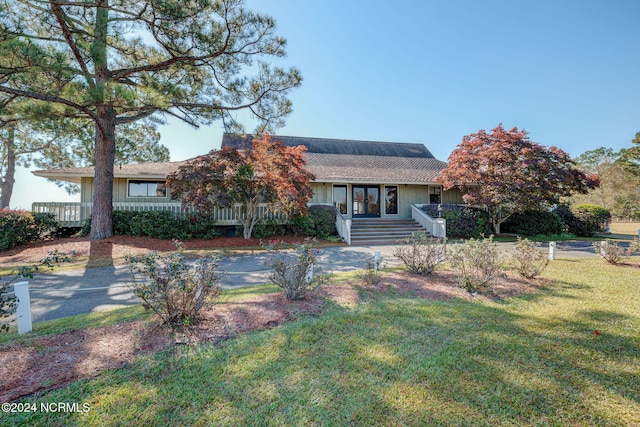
x=394, y=361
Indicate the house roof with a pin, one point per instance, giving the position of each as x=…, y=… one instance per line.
x=330, y=160
x=337, y=146
x=340, y=160
x=140, y=170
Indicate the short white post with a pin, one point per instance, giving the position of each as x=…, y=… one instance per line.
x=309, y=276
x=639, y=233
x=377, y=260
x=23, y=311
x=552, y=250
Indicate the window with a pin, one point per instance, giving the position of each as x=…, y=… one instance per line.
x=391, y=200
x=340, y=198
x=435, y=195
x=147, y=189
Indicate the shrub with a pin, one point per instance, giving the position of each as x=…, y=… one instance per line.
x=269, y=227
x=296, y=274
x=302, y=225
x=371, y=274
x=173, y=289
x=8, y=303
x=583, y=220
x=159, y=224
x=463, y=222
x=596, y=217
x=324, y=220
x=612, y=252
x=533, y=223
x=477, y=264
x=529, y=260
x=21, y=227
x=421, y=253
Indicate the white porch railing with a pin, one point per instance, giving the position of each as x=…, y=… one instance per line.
x=73, y=214
x=436, y=226
x=343, y=225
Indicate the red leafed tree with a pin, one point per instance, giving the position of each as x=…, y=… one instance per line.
x=268, y=173
x=506, y=173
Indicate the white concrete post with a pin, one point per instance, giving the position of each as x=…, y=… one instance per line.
x=638, y=232
x=309, y=276
x=376, y=260
x=23, y=311
x=552, y=250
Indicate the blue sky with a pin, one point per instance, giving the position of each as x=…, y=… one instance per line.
x=433, y=71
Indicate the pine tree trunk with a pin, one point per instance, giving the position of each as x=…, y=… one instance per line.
x=105, y=139
x=7, y=181
x=105, y=149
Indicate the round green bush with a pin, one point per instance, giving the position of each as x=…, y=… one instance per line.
x=533, y=223
x=463, y=222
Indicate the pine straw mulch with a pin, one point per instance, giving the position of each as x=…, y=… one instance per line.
x=105, y=252
x=51, y=362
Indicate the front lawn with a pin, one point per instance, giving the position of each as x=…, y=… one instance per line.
x=629, y=228
x=568, y=354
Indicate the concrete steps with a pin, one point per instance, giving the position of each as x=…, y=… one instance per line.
x=382, y=231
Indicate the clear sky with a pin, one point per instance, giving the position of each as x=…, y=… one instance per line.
x=433, y=71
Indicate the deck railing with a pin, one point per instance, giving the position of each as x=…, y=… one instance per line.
x=72, y=214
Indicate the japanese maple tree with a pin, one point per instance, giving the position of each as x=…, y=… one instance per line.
x=267, y=173
x=506, y=173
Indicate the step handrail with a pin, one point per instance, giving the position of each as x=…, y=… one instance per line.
x=436, y=226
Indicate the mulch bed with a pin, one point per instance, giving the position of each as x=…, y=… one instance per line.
x=53, y=361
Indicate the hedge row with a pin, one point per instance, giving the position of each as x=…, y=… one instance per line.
x=21, y=227
x=467, y=222
x=320, y=222
x=159, y=224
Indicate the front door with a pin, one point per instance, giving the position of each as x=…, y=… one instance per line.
x=366, y=201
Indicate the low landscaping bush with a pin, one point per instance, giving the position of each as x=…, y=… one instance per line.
x=324, y=221
x=269, y=227
x=421, y=254
x=296, y=273
x=21, y=227
x=528, y=259
x=533, y=223
x=583, y=220
x=477, y=264
x=160, y=224
x=173, y=288
x=370, y=275
x=613, y=252
x=463, y=222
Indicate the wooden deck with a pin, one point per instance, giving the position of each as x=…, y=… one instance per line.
x=73, y=214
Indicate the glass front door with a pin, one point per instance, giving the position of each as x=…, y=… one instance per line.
x=366, y=201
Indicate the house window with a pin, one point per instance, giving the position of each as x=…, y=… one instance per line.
x=340, y=198
x=147, y=189
x=435, y=195
x=391, y=200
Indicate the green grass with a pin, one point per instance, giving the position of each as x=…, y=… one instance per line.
x=532, y=360
x=629, y=228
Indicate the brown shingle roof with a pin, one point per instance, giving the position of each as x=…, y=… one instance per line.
x=330, y=160
x=336, y=146
x=346, y=168
x=140, y=170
